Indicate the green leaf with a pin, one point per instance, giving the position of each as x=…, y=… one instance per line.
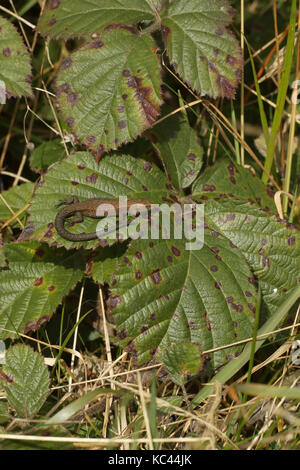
x=15, y=69
x=270, y=245
x=163, y=294
x=79, y=175
x=46, y=154
x=66, y=18
x=179, y=149
x=34, y=284
x=181, y=359
x=109, y=91
x=172, y=401
x=29, y=380
x=201, y=48
x=16, y=198
x=104, y=262
x=4, y=412
x=229, y=178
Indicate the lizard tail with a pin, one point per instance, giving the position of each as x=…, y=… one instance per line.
x=73, y=237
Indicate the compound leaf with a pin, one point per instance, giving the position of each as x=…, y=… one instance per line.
x=163, y=294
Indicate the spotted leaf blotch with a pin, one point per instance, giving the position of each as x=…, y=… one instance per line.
x=227, y=179
x=270, y=245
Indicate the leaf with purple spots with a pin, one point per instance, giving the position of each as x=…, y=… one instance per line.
x=120, y=96
x=202, y=50
x=181, y=296
x=179, y=148
x=37, y=279
x=69, y=18
x=15, y=68
x=81, y=176
x=226, y=180
x=270, y=245
x=206, y=297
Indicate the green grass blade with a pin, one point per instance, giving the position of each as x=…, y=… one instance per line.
x=283, y=87
x=262, y=113
x=236, y=142
x=253, y=343
x=262, y=390
x=68, y=411
x=69, y=335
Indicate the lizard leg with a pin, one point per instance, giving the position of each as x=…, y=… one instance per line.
x=78, y=217
x=71, y=200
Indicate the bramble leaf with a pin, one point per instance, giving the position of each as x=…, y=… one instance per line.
x=227, y=178
x=162, y=293
x=180, y=150
x=34, y=285
x=109, y=91
x=45, y=154
x=66, y=18
x=270, y=245
x=28, y=383
x=15, y=68
x=201, y=48
x=15, y=199
x=79, y=175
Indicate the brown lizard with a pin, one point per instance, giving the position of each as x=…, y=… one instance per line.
x=86, y=208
